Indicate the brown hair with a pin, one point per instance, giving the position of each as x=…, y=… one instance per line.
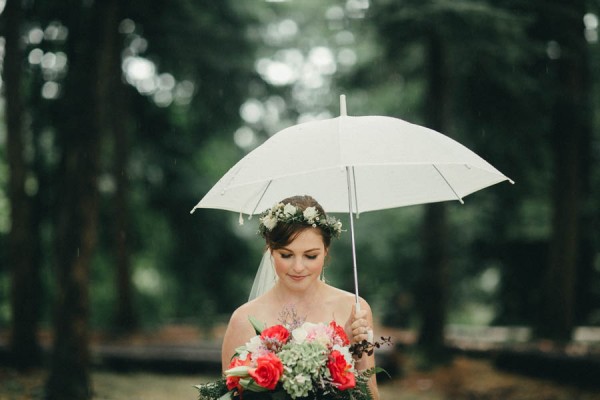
x=284, y=233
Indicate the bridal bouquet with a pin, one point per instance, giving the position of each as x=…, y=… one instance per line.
x=306, y=361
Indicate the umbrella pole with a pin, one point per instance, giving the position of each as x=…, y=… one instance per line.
x=355, y=269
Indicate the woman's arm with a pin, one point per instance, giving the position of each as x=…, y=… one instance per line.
x=239, y=331
x=360, y=327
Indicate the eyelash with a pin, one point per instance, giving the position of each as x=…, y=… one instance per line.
x=285, y=256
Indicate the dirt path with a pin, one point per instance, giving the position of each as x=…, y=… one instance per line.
x=464, y=379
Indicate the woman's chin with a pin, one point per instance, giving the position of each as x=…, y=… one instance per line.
x=299, y=282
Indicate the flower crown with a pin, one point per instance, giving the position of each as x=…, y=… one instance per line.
x=288, y=213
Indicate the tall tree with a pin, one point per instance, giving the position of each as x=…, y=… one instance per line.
x=570, y=143
x=125, y=319
x=25, y=296
x=80, y=127
x=115, y=123
x=433, y=296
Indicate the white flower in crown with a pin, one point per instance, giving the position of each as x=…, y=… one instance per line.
x=269, y=221
x=310, y=213
x=289, y=209
x=337, y=224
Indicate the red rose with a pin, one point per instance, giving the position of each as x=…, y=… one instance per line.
x=342, y=377
x=267, y=372
x=234, y=381
x=340, y=333
x=277, y=332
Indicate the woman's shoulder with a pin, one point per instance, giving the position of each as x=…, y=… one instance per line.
x=337, y=295
x=340, y=303
x=258, y=308
x=244, y=310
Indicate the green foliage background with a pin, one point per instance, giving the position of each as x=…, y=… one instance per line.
x=197, y=268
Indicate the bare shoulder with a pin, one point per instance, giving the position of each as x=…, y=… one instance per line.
x=239, y=316
x=342, y=296
x=260, y=309
x=341, y=303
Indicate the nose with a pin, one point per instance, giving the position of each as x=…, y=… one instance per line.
x=298, y=266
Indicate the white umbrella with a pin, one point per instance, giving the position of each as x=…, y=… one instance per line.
x=353, y=164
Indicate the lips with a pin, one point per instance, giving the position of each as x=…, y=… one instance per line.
x=297, y=277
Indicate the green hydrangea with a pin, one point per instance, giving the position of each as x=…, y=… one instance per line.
x=303, y=365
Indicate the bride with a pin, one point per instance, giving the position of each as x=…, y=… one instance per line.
x=298, y=234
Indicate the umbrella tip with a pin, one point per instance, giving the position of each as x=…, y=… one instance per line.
x=343, y=105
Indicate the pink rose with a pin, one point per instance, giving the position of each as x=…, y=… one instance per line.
x=267, y=372
x=342, y=377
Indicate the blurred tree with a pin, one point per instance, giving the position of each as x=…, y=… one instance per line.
x=571, y=139
x=79, y=129
x=126, y=318
x=432, y=295
x=115, y=122
x=25, y=299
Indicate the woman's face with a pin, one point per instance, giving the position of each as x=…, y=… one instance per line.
x=299, y=264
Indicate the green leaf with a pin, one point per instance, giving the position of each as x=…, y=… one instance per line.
x=257, y=325
x=379, y=369
x=226, y=396
x=251, y=385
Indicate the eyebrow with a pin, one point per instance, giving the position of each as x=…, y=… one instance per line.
x=306, y=251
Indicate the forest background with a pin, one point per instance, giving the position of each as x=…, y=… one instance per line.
x=119, y=115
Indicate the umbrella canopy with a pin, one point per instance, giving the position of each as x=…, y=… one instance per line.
x=352, y=164
x=391, y=163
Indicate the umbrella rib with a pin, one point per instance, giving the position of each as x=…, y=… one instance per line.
x=354, y=263
x=355, y=193
x=261, y=197
x=449, y=185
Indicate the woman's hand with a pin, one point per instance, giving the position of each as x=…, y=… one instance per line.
x=357, y=327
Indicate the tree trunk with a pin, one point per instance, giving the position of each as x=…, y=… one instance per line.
x=433, y=293
x=24, y=347
x=79, y=134
x=125, y=317
x=570, y=145
x=433, y=284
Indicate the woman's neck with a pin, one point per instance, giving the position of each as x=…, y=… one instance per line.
x=305, y=299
